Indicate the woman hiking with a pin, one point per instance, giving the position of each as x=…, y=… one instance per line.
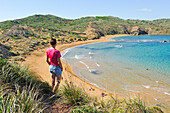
x=53, y=59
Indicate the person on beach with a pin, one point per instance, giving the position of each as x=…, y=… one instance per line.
x=53, y=59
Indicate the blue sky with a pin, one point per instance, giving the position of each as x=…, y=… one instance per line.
x=72, y=9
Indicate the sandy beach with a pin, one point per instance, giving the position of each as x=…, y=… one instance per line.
x=37, y=64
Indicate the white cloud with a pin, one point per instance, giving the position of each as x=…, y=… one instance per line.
x=144, y=9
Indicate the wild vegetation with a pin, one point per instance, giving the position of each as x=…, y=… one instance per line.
x=21, y=92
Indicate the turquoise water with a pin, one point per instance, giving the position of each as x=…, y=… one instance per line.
x=146, y=51
x=132, y=63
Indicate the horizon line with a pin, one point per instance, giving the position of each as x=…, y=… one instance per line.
x=83, y=17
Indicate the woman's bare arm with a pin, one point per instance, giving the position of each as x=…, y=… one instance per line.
x=47, y=60
x=59, y=62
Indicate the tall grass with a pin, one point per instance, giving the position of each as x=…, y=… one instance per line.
x=17, y=100
x=77, y=97
x=74, y=95
x=20, y=91
x=12, y=73
x=113, y=105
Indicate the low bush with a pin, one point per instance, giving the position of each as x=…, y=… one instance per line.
x=16, y=38
x=74, y=95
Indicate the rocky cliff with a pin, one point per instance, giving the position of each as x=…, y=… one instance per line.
x=93, y=31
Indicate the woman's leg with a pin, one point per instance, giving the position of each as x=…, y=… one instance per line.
x=53, y=80
x=57, y=84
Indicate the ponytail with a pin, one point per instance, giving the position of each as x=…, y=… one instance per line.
x=53, y=41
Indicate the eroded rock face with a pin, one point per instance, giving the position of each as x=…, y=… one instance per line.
x=138, y=31
x=92, y=31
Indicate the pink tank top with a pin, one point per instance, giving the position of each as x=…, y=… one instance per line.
x=53, y=54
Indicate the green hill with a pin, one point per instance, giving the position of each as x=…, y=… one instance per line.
x=56, y=23
x=26, y=34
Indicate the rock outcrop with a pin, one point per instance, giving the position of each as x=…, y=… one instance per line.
x=93, y=31
x=138, y=31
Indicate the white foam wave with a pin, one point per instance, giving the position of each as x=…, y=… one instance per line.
x=97, y=65
x=90, y=53
x=166, y=93
x=157, y=81
x=146, y=86
x=142, y=41
x=65, y=52
x=121, y=40
x=127, y=89
x=125, y=40
x=98, y=86
x=146, y=40
x=79, y=56
x=90, y=70
x=156, y=99
x=118, y=46
x=85, y=64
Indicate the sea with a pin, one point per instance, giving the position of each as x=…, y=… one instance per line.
x=130, y=64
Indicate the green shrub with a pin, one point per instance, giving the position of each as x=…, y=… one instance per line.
x=16, y=38
x=2, y=62
x=59, y=39
x=32, y=34
x=42, y=43
x=43, y=30
x=51, y=34
x=72, y=23
x=157, y=109
x=74, y=95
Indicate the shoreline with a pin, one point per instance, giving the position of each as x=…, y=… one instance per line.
x=38, y=65
x=37, y=57
x=72, y=77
